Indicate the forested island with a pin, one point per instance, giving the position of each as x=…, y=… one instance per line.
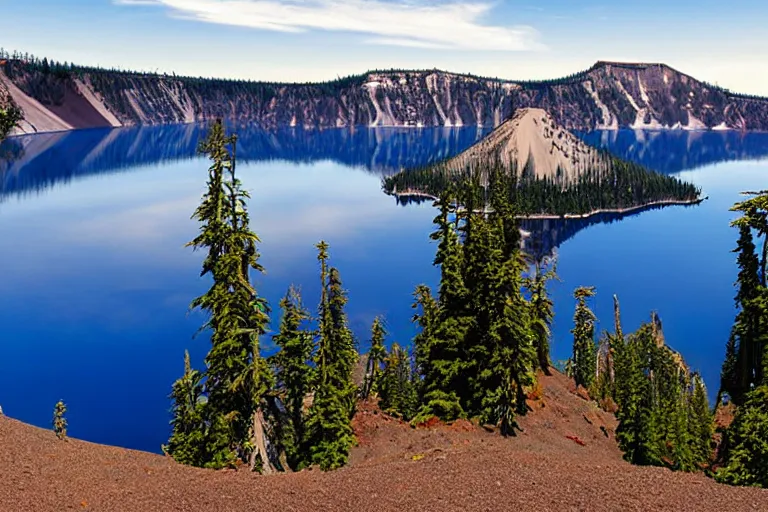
x=546, y=171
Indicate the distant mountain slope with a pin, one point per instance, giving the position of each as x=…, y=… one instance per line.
x=608, y=95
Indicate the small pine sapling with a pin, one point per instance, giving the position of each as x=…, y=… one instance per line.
x=59, y=421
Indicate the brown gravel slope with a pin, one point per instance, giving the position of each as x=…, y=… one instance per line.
x=395, y=468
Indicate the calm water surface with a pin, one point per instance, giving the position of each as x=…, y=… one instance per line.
x=97, y=282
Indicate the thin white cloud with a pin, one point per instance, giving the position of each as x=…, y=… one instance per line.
x=410, y=23
x=136, y=2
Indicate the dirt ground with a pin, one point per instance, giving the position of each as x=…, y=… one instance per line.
x=565, y=459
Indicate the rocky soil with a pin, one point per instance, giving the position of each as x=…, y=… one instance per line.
x=565, y=459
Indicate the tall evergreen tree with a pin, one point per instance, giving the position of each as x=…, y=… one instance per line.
x=664, y=417
x=294, y=373
x=701, y=421
x=376, y=357
x=742, y=367
x=584, y=350
x=329, y=430
x=513, y=351
x=747, y=442
x=443, y=380
x=397, y=389
x=630, y=393
x=542, y=311
x=237, y=377
x=426, y=318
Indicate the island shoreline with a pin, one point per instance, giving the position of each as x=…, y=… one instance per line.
x=574, y=216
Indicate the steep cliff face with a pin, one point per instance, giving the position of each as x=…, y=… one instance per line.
x=608, y=95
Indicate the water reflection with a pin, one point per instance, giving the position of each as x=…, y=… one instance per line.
x=37, y=162
x=673, y=151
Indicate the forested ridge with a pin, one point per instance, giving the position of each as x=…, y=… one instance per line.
x=605, y=95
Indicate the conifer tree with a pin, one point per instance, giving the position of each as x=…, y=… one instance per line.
x=187, y=442
x=293, y=373
x=542, y=312
x=631, y=396
x=584, y=350
x=442, y=376
x=747, y=443
x=426, y=319
x=606, y=348
x=664, y=417
x=376, y=357
x=728, y=381
x=397, y=389
x=701, y=423
x=59, y=421
x=329, y=430
x=237, y=377
x=512, y=347
x=740, y=367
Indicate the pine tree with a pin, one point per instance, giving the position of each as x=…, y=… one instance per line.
x=59, y=421
x=631, y=392
x=376, y=357
x=426, y=319
x=293, y=373
x=512, y=347
x=397, y=390
x=745, y=450
x=237, y=377
x=542, y=312
x=442, y=377
x=747, y=439
x=728, y=381
x=701, y=424
x=741, y=368
x=187, y=442
x=584, y=350
x=329, y=430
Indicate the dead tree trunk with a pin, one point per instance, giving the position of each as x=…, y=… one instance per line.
x=259, y=442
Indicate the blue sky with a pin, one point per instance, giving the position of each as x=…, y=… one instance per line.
x=302, y=40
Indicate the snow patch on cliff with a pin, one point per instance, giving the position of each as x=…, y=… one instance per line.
x=609, y=121
x=643, y=92
x=694, y=124
x=627, y=95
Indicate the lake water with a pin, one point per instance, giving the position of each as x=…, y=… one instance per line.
x=96, y=280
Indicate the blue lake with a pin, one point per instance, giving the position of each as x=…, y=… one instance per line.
x=96, y=280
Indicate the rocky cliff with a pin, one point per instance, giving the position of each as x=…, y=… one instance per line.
x=608, y=95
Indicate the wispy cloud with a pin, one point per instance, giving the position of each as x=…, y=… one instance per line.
x=410, y=23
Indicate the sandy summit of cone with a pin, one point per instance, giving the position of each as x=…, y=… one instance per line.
x=531, y=133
